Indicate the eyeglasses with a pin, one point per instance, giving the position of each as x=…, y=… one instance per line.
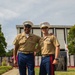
x=27, y=26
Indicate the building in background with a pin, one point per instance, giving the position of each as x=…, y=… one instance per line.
x=60, y=31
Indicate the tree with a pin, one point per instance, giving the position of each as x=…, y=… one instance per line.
x=3, y=43
x=9, y=53
x=71, y=40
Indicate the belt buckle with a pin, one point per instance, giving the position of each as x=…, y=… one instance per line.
x=25, y=52
x=43, y=56
x=28, y=52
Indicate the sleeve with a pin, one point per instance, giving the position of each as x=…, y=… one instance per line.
x=55, y=41
x=38, y=38
x=16, y=41
x=38, y=44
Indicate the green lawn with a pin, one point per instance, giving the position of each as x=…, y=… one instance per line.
x=4, y=69
x=70, y=71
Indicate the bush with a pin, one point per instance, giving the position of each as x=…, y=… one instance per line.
x=4, y=63
x=4, y=69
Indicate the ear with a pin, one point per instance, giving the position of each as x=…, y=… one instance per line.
x=23, y=27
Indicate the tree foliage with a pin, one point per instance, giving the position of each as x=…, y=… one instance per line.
x=71, y=40
x=9, y=53
x=3, y=43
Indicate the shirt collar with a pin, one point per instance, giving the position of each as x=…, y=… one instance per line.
x=24, y=34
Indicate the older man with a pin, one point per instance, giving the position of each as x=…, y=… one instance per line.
x=25, y=45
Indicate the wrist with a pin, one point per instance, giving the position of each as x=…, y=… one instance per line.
x=56, y=59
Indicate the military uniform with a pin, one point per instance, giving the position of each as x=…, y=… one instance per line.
x=48, y=45
x=26, y=45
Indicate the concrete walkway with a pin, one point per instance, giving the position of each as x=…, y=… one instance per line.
x=14, y=71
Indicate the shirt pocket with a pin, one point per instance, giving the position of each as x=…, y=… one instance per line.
x=31, y=42
x=48, y=42
x=22, y=41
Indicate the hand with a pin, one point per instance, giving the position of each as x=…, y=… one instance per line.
x=34, y=53
x=55, y=62
x=15, y=63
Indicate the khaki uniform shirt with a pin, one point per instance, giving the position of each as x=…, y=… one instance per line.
x=48, y=44
x=26, y=44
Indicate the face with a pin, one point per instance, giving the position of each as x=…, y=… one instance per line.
x=44, y=30
x=27, y=29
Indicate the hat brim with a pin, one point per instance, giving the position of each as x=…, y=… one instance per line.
x=27, y=25
x=44, y=27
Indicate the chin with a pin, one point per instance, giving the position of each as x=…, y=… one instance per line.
x=43, y=32
x=27, y=32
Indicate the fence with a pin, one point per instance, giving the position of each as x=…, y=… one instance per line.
x=70, y=60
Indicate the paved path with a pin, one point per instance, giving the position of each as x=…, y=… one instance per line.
x=14, y=71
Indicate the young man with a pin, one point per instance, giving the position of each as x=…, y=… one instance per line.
x=49, y=50
x=25, y=45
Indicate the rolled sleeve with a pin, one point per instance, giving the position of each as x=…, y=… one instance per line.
x=16, y=42
x=55, y=41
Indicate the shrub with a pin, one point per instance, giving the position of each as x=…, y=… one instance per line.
x=4, y=63
x=4, y=69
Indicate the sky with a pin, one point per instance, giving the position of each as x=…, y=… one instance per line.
x=15, y=12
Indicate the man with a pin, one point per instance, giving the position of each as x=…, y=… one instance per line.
x=49, y=50
x=25, y=45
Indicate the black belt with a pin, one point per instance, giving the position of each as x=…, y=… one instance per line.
x=46, y=55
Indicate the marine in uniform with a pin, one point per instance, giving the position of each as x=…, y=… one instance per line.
x=25, y=46
x=49, y=50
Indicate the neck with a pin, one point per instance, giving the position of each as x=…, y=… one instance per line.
x=27, y=32
x=46, y=34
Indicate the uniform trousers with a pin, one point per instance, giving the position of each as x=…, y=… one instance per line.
x=46, y=66
x=26, y=60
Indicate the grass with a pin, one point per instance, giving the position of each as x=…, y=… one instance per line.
x=4, y=69
x=70, y=71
